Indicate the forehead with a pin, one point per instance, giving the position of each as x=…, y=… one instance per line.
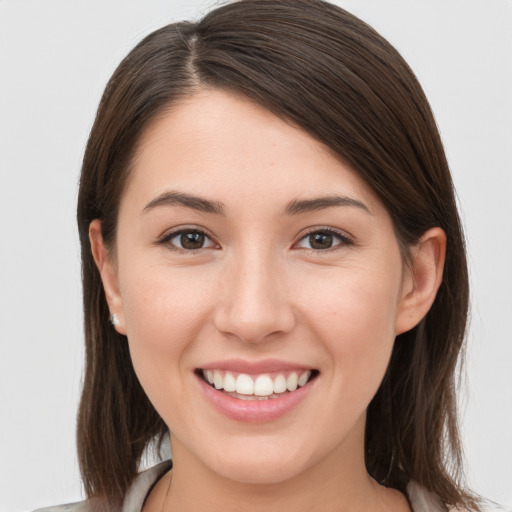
x=215, y=143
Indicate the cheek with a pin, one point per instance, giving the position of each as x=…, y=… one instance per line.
x=164, y=300
x=354, y=317
x=354, y=301
x=164, y=310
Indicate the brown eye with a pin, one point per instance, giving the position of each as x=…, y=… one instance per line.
x=323, y=240
x=192, y=240
x=189, y=240
x=320, y=240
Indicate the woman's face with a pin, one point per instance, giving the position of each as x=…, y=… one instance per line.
x=245, y=248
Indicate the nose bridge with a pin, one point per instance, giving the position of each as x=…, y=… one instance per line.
x=254, y=303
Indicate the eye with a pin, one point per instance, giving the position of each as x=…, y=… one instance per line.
x=188, y=240
x=323, y=239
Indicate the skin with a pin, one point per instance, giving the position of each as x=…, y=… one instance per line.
x=257, y=290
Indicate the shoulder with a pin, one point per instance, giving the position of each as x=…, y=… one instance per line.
x=134, y=498
x=422, y=500
x=142, y=485
x=81, y=506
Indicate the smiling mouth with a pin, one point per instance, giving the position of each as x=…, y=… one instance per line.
x=257, y=387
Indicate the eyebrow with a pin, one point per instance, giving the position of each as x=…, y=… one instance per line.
x=294, y=207
x=298, y=206
x=187, y=200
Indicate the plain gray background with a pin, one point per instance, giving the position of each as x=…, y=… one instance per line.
x=55, y=59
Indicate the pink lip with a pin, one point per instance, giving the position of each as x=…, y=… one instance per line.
x=255, y=367
x=254, y=411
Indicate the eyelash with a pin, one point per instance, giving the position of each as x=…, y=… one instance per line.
x=166, y=240
x=344, y=240
x=342, y=237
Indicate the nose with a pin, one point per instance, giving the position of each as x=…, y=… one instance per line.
x=254, y=303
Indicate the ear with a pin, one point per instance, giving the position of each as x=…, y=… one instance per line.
x=108, y=273
x=422, y=280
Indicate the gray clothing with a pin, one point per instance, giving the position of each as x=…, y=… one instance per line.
x=420, y=499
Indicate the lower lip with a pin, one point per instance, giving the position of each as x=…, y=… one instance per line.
x=254, y=411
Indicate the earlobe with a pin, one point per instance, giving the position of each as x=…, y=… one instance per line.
x=108, y=274
x=423, y=279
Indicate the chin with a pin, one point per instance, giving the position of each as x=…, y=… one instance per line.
x=251, y=472
x=260, y=466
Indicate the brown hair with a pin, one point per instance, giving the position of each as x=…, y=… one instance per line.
x=323, y=69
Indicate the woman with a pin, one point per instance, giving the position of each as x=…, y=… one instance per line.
x=273, y=271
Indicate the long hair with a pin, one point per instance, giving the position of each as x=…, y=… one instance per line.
x=328, y=72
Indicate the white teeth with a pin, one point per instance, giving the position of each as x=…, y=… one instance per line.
x=244, y=385
x=303, y=379
x=264, y=386
x=292, y=381
x=279, y=384
x=217, y=379
x=229, y=382
x=251, y=397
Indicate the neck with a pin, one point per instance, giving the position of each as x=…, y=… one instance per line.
x=339, y=482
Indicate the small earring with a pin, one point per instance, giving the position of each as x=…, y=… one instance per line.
x=114, y=320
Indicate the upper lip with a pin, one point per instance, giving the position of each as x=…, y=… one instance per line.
x=255, y=367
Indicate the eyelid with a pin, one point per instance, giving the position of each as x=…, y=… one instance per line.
x=346, y=240
x=168, y=235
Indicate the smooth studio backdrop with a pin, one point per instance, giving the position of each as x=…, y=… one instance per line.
x=55, y=59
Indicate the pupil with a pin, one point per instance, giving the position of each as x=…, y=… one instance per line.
x=321, y=240
x=192, y=240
